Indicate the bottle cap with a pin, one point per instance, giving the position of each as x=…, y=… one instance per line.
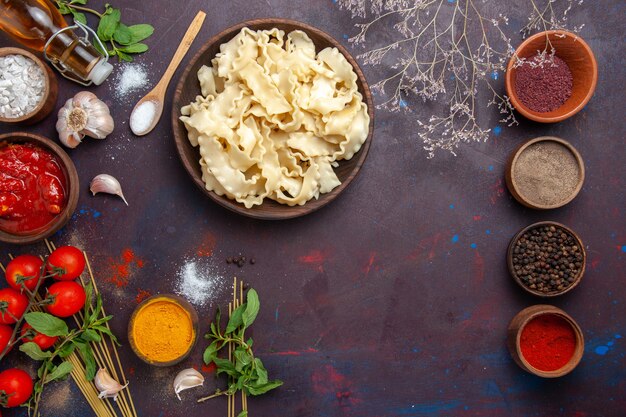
x=100, y=72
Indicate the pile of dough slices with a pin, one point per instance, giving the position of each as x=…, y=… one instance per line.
x=274, y=118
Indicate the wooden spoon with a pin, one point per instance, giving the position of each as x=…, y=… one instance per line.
x=148, y=110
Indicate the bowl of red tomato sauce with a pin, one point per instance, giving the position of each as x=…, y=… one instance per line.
x=38, y=188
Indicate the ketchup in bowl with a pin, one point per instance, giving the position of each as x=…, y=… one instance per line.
x=32, y=188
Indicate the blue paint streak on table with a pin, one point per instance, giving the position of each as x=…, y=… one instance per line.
x=392, y=301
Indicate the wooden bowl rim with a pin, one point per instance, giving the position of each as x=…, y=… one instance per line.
x=181, y=302
x=512, y=180
x=283, y=211
x=532, y=312
x=10, y=50
x=509, y=259
x=586, y=53
x=73, y=185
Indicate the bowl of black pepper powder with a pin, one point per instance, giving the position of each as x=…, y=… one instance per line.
x=546, y=259
x=551, y=76
x=545, y=173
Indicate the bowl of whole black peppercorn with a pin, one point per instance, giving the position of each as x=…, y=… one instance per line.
x=546, y=259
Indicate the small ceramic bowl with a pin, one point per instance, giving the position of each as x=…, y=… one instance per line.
x=533, y=201
x=518, y=280
x=72, y=192
x=50, y=93
x=178, y=301
x=515, y=332
x=580, y=60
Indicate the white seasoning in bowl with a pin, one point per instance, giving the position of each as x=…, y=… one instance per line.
x=22, y=85
x=142, y=117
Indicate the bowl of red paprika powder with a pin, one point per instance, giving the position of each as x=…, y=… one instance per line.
x=563, y=82
x=545, y=341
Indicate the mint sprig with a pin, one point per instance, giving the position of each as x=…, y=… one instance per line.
x=246, y=372
x=120, y=39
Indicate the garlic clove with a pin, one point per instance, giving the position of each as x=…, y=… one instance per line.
x=105, y=183
x=108, y=387
x=187, y=378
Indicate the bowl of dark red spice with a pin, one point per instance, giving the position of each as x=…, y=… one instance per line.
x=545, y=341
x=545, y=173
x=551, y=76
x=546, y=259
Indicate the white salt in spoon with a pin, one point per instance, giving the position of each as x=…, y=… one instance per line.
x=148, y=110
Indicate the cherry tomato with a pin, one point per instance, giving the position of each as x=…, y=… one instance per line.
x=5, y=336
x=42, y=340
x=16, y=387
x=69, y=298
x=13, y=304
x=24, y=270
x=69, y=258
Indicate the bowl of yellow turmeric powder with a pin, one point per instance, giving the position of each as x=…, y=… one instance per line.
x=163, y=329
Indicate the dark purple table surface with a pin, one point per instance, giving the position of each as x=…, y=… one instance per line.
x=393, y=300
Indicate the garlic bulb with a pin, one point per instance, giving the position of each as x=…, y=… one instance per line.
x=187, y=378
x=84, y=114
x=108, y=387
x=105, y=183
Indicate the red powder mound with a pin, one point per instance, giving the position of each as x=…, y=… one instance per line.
x=545, y=87
x=121, y=270
x=142, y=295
x=548, y=342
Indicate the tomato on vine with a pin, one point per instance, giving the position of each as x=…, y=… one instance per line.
x=68, y=297
x=13, y=304
x=31, y=335
x=16, y=387
x=67, y=261
x=24, y=270
x=5, y=336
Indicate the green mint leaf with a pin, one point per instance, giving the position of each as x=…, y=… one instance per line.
x=252, y=308
x=90, y=335
x=122, y=34
x=87, y=308
x=90, y=362
x=59, y=372
x=123, y=56
x=242, y=359
x=66, y=350
x=140, y=32
x=264, y=388
x=79, y=17
x=261, y=372
x=210, y=353
x=224, y=365
x=244, y=413
x=108, y=23
x=236, y=319
x=34, y=351
x=46, y=323
x=135, y=48
x=78, y=2
x=63, y=8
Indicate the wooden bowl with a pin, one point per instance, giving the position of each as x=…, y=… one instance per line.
x=512, y=180
x=179, y=301
x=577, y=278
x=72, y=192
x=581, y=61
x=50, y=93
x=515, y=331
x=188, y=88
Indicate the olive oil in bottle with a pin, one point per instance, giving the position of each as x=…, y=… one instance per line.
x=34, y=22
